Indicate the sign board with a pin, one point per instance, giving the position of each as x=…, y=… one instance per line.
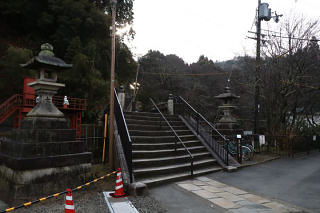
x=262, y=140
x=314, y=138
x=247, y=132
x=239, y=136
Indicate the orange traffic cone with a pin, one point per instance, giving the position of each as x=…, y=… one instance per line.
x=69, y=207
x=119, y=186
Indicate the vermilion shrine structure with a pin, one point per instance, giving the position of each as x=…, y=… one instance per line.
x=44, y=154
x=18, y=105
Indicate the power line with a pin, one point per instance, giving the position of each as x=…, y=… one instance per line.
x=280, y=36
x=183, y=74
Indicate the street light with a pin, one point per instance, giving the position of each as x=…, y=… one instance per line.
x=135, y=87
x=111, y=116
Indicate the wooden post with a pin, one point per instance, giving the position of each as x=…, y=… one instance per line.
x=104, y=137
x=111, y=130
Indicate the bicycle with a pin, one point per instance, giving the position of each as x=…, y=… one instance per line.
x=247, y=150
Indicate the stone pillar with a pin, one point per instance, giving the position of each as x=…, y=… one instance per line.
x=170, y=105
x=122, y=96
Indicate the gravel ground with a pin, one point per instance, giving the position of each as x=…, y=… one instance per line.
x=147, y=204
x=91, y=201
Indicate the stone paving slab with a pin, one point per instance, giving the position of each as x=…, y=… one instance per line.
x=230, y=196
x=189, y=186
x=203, y=179
x=212, y=188
x=279, y=207
x=247, y=210
x=233, y=199
x=216, y=184
x=235, y=191
x=227, y=204
x=255, y=198
x=199, y=183
x=205, y=194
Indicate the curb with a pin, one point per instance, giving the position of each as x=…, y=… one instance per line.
x=261, y=162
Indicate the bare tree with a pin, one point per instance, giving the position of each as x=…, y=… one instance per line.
x=288, y=73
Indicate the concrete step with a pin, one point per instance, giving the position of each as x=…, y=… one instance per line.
x=154, y=118
x=161, y=139
x=159, y=133
x=155, y=122
x=133, y=127
x=147, y=114
x=165, y=152
x=174, y=168
x=164, y=161
x=161, y=179
x=157, y=146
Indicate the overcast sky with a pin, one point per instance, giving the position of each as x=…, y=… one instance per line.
x=214, y=28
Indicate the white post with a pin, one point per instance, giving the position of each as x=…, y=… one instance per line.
x=170, y=105
x=122, y=96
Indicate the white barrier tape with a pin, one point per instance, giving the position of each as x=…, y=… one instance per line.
x=118, y=174
x=69, y=207
x=119, y=187
x=68, y=197
x=118, y=181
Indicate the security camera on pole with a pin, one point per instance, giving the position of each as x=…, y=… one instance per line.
x=263, y=13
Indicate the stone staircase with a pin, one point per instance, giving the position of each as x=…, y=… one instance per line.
x=153, y=155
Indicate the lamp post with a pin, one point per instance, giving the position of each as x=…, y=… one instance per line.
x=135, y=87
x=111, y=116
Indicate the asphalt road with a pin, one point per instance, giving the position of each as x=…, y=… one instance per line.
x=295, y=181
x=174, y=199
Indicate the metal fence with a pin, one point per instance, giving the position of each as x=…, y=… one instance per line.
x=285, y=144
x=93, y=137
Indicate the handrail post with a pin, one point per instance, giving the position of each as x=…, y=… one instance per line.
x=198, y=123
x=175, y=147
x=227, y=157
x=191, y=166
x=211, y=132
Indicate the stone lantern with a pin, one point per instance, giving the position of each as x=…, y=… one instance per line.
x=44, y=155
x=227, y=123
x=45, y=114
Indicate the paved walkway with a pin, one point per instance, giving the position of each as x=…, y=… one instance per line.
x=295, y=181
x=283, y=185
x=233, y=199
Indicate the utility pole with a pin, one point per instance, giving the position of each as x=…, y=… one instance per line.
x=111, y=116
x=257, y=74
x=263, y=13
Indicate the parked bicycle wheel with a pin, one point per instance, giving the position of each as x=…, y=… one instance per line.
x=246, y=153
x=252, y=151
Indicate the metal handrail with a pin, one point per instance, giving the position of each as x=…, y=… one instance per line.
x=220, y=151
x=203, y=118
x=176, y=135
x=124, y=134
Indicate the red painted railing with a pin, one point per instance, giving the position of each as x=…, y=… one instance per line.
x=9, y=106
x=16, y=101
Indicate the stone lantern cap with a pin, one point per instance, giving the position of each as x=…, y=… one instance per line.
x=227, y=95
x=46, y=59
